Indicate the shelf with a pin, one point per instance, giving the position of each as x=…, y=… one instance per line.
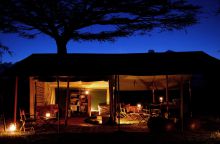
x=78, y=102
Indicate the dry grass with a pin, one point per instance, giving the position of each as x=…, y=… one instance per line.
x=115, y=137
x=208, y=133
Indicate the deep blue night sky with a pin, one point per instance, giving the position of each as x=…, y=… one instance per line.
x=204, y=36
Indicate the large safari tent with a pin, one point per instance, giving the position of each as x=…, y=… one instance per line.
x=63, y=79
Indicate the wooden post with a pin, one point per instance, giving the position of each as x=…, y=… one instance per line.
x=35, y=99
x=190, y=98
x=58, y=115
x=111, y=100
x=89, y=105
x=16, y=99
x=115, y=98
x=67, y=101
x=118, y=101
x=181, y=102
x=4, y=122
x=167, y=99
x=153, y=95
x=2, y=119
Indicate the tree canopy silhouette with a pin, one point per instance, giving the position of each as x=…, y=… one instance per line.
x=102, y=20
x=4, y=49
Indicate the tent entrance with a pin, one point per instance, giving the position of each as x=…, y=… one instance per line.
x=72, y=97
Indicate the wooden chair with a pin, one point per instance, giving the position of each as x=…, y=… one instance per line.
x=2, y=121
x=27, y=123
x=155, y=110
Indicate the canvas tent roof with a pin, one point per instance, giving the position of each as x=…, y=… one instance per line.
x=110, y=64
x=157, y=82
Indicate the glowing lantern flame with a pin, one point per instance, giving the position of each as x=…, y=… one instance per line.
x=47, y=115
x=86, y=92
x=139, y=106
x=161, y=99
x=12, y=127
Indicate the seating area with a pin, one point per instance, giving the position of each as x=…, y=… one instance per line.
x=45, y=116
x=130, y=114
x=138, y=114
x=2, y=122
x=27, y=121
x=47, y=111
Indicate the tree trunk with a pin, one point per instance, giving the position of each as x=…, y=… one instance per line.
x=61, y=46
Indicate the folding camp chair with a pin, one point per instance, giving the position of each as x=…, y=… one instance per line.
x=2, y=121
x=121, y=112
x=27, y=123
x=155, y=110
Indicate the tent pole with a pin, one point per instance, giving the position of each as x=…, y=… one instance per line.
x=181, y=103
x=153, y=95
x=190, y=98
x=111, y=100
x=167, y=100
x=118, y=102
x=67, y=102
x=35, y=99
x=58, y=96
x=115, y=98
x=16, y=98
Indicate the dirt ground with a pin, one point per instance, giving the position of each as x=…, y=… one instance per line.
x=110, y=135
x=113, y=137
x=97, y=134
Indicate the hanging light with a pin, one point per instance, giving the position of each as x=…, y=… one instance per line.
x=86, y=92
x=139, y=107
x=47, y=115
x=160, y=99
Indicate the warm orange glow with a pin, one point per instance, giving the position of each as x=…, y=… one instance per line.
x=161, y=99
x=47, y=115
x=193, y=126
x=86, y=92
x=99, y=119
x=139, y=106
x=169, y=127
x=12, y=127
x=99, y=109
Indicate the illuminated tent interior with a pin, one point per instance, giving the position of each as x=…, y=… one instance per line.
x=147, y=89
x=127, y=83
x=157, y=82
x=46, y=92
x=137, y=72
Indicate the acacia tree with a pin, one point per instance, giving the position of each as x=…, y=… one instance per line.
x=3, y=49
x=102, y=20
x=5, y=27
